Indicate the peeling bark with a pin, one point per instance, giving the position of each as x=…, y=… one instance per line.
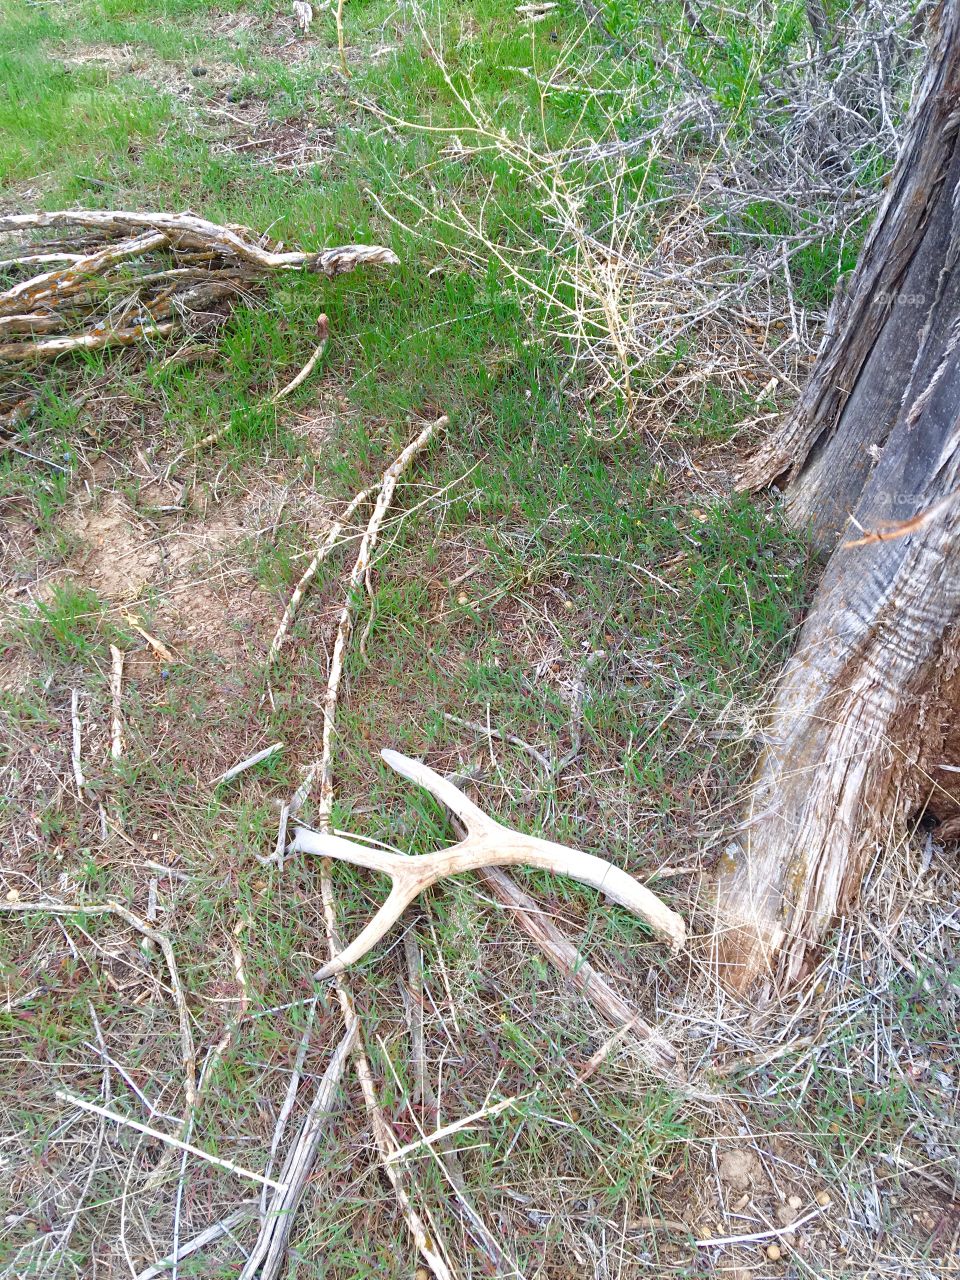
x=903, y=287
x=863, y=720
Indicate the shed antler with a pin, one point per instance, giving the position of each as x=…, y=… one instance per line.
x=487, y=843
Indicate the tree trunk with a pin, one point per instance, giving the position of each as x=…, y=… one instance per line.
x=862, y=722
x=882, y=317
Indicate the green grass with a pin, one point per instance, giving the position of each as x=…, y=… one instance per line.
x=524, y=542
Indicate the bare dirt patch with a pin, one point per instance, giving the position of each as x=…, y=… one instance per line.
x=194, y=80
x=232, y=119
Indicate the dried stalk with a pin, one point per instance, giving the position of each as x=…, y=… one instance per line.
x=445, y=1151
x=341, y=50
x=323, y=331
x=209, y=1236
x=116, y=687
x=229, y=1165
x=267, y=1255
x=330, y=542
x=159, y=648
x=75, y=752
x=388, y=484
x=257, y=758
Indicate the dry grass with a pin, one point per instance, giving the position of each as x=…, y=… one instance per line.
x=598, y=608
x=688, y=202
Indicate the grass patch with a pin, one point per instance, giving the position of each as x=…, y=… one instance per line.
x=543, y=572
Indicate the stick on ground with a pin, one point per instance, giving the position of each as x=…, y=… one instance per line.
x=268, y=1253
x=323, y=331
x=324, y=765
x=330, y=542
x=257, y=758
x=116, y=692
x=75, y=755
x=428, y=1242
x=528, y=916
x=231, y=1167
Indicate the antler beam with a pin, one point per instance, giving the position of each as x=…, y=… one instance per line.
x=487, y=843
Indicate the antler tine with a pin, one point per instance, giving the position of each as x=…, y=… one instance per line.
x=361, y=855
x=401, y=895
x=471, y=815
x=402, y=870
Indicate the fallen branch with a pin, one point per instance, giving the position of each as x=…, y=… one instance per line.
x=324, y=765
x=329, y=543
x=160, y=272
x=257, y=758
x=116, y=688
x=566, y=958
x=267, y=1255
x=96, y=340
x=186, y=231
x=208, y=1236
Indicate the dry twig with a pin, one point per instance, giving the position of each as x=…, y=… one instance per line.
x=324, y=765
x=329, y=543
x=267, y=753
x=209, y=1236
x=231, y=1166
x=323, y=332
x=116, y=686
x=75, y=753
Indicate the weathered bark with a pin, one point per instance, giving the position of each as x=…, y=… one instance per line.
x=882, y=316
x=863, y=721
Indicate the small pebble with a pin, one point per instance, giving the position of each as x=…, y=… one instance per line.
x=198, y=71
x=822, y=1198
x=773, y=1252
